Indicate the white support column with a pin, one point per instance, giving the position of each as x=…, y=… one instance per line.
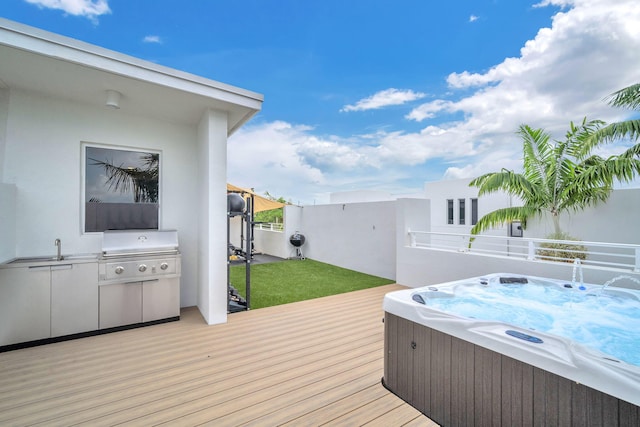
x=212, y=247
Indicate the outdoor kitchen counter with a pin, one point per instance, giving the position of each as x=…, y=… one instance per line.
x=39, y=261
x=42, y=298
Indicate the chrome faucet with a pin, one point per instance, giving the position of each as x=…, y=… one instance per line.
x=58, y=243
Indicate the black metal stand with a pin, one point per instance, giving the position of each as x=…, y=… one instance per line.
x=235, y=302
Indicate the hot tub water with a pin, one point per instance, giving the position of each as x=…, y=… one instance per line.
x=605, y=321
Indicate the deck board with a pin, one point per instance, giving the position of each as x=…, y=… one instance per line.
x=307, y=363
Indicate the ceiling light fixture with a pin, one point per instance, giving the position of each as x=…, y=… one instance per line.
x=113, y=99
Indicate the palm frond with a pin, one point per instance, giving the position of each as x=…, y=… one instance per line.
x=579, y=136
x=632, y=152
x=507, y=181
x=576, y=199
x=502, y=216
x=143, y=183
x=119, y=178
x=596, y=171
x=536, y=152
x=628, y=129
x=628, y=97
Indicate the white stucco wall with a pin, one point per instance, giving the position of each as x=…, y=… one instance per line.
x=7, y=222
x=337, y=234
x=440, y=191
x=358, y=196
x=7, y=191
x=42, y=159
x=615, y=221
x=271, y=242
x=277, y=243
x=357, y=236
x=422, y=267
x=4, y=115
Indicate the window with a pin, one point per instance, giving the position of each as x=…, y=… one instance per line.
x=121, y=189
x=449, y=211
x=474, y=211
x=461, y=211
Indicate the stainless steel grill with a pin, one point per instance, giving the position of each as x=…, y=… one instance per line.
x=139, y=255
x=139, y=242
x=139, y=277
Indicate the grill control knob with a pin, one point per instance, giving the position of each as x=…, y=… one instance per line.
x=119, y=269
x=142, y=268
x=164, y=266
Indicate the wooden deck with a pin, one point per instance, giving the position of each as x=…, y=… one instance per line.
x=316, y=362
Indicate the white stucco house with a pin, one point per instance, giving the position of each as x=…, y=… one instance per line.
x=59, y=96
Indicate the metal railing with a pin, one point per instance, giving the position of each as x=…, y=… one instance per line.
x=269, y=226
x=612, y=255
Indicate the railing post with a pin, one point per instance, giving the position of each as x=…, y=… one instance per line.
x=464, y=245
x=637, y=265
x=531, y=255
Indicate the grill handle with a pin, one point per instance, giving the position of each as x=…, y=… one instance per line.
x=123, y=254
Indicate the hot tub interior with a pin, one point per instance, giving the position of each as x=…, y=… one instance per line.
x=604, y=320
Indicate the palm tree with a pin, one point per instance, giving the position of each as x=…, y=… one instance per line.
x=142, y=181
x=562, y=176
x=549, y=181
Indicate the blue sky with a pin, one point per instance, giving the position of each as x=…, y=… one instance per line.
x=372, y=94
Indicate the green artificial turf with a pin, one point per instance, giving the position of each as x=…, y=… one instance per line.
x=297, y=280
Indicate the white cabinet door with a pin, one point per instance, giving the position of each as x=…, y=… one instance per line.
x=74, y=298
x=120, y=304
x=25, y=298
x=160, y=299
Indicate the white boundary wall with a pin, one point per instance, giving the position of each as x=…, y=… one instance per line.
x=357, y=236
x=615, y=221
x=425, y=266
x=371, y=237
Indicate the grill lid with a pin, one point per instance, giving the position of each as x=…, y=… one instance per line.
x=139, y=242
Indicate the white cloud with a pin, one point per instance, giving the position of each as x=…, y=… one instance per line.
x=561, y=3
x=561, y=75
x=384, y=98
x=473, y=18
x=430, y=110
x=485, y=164
x=88, y=8
x=266, y=157
x=152, y=39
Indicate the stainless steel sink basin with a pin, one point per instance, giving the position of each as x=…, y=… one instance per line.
x=32, y=260
x=67, y=258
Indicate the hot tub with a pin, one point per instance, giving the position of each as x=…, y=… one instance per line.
x=491, y=350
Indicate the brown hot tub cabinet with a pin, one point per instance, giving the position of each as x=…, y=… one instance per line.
x=458, y=383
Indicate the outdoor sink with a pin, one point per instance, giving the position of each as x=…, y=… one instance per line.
x=38, y=259
x=32, y=260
